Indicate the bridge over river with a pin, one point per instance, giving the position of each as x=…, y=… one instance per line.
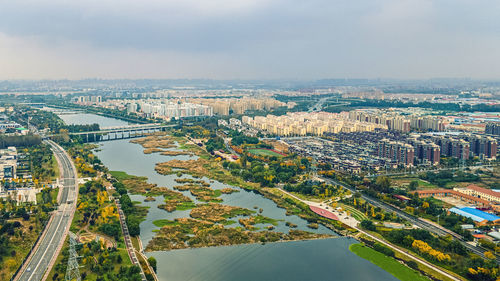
x=121, y=132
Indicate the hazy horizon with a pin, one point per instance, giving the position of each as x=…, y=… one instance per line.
x=249, y=40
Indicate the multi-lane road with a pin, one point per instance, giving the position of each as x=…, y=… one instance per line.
x=413, y=219
x=42, y=258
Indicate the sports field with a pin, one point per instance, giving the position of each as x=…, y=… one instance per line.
x=263, y=152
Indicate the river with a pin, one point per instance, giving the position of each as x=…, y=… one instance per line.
x=327, y=259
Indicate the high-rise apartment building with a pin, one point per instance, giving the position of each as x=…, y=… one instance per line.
x=427, y=152
x=492, y=128
x=398, y=152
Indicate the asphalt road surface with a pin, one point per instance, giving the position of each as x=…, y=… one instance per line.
x=56, y=231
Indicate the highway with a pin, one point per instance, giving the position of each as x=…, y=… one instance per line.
x=42, y=258
x=412, y=219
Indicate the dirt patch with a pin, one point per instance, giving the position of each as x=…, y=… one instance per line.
x=157, y=141
x=217, y=212
x=152, y=150
x=228, y=190
x=174, y=153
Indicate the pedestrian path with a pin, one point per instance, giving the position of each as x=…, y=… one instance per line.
x=128, y=241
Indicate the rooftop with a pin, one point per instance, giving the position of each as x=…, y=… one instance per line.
x=483, y=190
x=495, y=235
x=474, y=214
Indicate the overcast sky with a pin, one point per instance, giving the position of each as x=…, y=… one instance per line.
x=249, y=39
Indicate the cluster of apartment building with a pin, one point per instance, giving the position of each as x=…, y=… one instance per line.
x=159, y=108
x=396, y=151
x=227, y=106
x=399, y=152
x=404, y=97
x=428, y=149
x=463, y=146
x=398, y=122
x=167, y=109
x=492, y=128
x=88, y=100
x=308, y=123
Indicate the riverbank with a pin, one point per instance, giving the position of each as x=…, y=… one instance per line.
x=202, y=166
x=389, y=264
x=206, y=225
x=210, y=222
x=319, y=259
x=206, y=166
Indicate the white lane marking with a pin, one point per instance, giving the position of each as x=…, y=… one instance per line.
x=48, y=246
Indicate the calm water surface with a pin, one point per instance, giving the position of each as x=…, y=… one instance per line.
x=327, y=259
x=88, y=119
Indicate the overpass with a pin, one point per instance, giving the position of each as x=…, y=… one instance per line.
x=121, y=132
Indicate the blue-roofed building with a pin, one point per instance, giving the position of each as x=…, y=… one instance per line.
x=478, y=216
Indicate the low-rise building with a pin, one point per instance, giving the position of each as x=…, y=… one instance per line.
x=8, y=163
x=455, y=194
x=479, y=217
x=479, y=192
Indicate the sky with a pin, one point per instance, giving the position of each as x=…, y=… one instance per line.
x=249, y=39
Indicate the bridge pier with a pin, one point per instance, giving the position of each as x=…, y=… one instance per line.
x=132, y=131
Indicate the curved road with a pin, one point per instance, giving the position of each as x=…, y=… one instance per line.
x=42, y=258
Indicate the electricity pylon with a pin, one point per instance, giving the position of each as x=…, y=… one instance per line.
x=73, y=271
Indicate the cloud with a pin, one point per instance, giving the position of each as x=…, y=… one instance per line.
x=249, y=39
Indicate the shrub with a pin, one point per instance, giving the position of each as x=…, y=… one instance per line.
x=383, y=249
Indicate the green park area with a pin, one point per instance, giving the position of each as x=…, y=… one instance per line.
x=388, y=264
x=263, y=152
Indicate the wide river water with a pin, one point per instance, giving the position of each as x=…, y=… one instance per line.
x=326, y=259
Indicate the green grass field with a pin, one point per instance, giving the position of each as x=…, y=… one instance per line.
x=264, y=152
x=355, y=213
x=388, y=264
x=119, y=175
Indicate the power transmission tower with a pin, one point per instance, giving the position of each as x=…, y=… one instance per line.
x=72, y=272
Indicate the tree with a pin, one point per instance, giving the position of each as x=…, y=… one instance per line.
x=111, y=229
x=382, y=183
x=412, y=264
x=383, y=249
x=368, y=225
x=489, y=255
x=152, y=263
x=133, y=226
x=413, y=185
